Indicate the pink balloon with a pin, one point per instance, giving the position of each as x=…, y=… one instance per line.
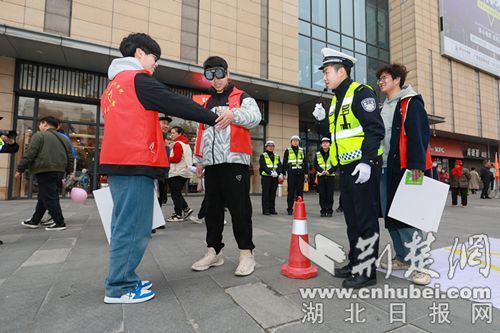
x=78, y=195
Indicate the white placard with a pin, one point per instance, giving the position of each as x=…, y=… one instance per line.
x=104, y=203
x=420, y=206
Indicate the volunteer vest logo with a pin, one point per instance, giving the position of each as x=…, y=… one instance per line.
x=238, y=177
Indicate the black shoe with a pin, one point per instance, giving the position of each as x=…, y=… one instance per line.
x=323, y=214
x=1, y=242
x=153, y=231
x=266, y=213
x=487, y=197
x=359, y=281
x=274, y=213
x=161, y=227
x=290, y=212
x=329, y=214
x=343, y=272
x=56, y=227
x=30, y=224
x=339, y=210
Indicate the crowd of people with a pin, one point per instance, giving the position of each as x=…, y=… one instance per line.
x=369, y=147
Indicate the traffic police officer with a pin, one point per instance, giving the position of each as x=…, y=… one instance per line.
x=357, y=130
x=270, y=170
x=295, y=165
x=326, y=181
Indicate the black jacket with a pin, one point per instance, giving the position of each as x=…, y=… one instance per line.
x=418, y=134
x=287, y=170
x=486, y=175
x=263, y=166
x=373, y=125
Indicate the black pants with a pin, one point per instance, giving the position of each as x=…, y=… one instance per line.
x=361, y=209
x=228, y=184
x=454, y=195
x=326, y=186
x=203, y=208
x=176, y=185
x=48, y=197
x=162, y=187
x=295, y=188
x=269, y=187
x=486, y=187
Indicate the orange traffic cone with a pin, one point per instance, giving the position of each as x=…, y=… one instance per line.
x=298, y=266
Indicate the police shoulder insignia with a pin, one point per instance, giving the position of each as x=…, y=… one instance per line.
x=369, y=104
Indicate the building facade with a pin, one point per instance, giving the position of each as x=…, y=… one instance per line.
x=54, y=56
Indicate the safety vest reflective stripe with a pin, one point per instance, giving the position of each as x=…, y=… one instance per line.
x=269, y=163
x=296, y=160
x=348, y=133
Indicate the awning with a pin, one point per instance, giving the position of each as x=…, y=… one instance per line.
x=63, y=51
x=446, y=148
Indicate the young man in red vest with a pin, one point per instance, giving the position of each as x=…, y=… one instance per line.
x=406, y=147
x=133, y=155
x=226, y=157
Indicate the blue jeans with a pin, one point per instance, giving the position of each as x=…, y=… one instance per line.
x=400, y=237
x=131, y=225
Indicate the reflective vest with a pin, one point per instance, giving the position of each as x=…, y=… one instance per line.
x=132, y=134
x=347, y=132
x=294, y=161
x=325, y=165
x=240, y=139
x=403, y=140
x=272, y=165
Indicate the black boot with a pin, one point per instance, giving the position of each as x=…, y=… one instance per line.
x=343, y=272
x=359, y=281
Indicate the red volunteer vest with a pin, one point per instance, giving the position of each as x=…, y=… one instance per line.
x=403, y=140
x=241, y=141
x=132, y=134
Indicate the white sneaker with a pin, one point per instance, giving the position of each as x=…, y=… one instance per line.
x=47, y=221
x=187, y=212
x=175, y=218
x=247, y=263
x=396, y=265
x=420, y=278
x=137, y=295
x=195, y=219
x=210, y=259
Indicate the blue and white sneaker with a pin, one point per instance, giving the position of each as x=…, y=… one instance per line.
x=145, y=284
x=137, y=295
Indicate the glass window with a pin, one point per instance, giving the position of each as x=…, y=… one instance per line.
x=347, y=17
x=372, y=67
x=333, y=37
x=335, y=47
x=360, y=68
x=26, y=107
x=359, y=19
x=67, y=111
x=24, y=130
x=347, y=43
x=318, y=32
x=318, y=12
x=257, y=132
x=383, y=31
x=384, y=55
x=317, y=59
x=371, y=24
x=305, y=61
x=304, y=28
x=305, y=10
x=359, y=46
x=372, y=51
x=333, y=14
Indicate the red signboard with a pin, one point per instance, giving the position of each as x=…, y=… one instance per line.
x=446, y=148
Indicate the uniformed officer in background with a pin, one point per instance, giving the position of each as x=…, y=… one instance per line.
x=270, y=170
x=326, y=178
x=357, y=130
x=295, y=168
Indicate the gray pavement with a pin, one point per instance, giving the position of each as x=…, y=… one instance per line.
x=53, y=281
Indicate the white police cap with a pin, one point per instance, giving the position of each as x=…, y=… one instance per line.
x=270, y=142
x=331, y=56
x=294, y=137
x=325, y=139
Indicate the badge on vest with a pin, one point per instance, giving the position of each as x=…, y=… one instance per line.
x=369, y=104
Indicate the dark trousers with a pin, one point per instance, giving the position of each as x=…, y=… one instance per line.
x=295, y=188
x=486, y=187
x=361, y=209
x=326, y=186
x=162, y=187
x=454, y=195
x=176, y=185
x=269, y=187
x=203, y=208
x=228, y=184
x=48, y=197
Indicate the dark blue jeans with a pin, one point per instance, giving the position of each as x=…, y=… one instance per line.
x=131, y=225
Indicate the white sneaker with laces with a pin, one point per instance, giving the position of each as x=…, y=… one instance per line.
x=396, y=265
x=175, y=218
x=195, y=219
x=210, y=259
x=247, y=263
x=138, y=295
x=420, y=278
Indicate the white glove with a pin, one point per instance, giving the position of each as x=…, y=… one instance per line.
x=364, y=171
x=319, y=112
x=274, y=174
